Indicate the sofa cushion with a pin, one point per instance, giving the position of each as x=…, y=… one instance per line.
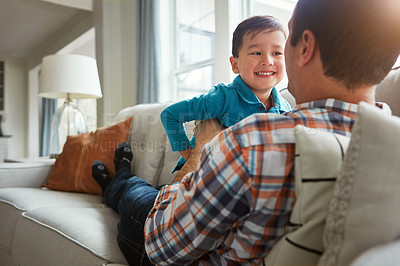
x=318, y=159
x=172, y=157
x=72, y=170
x=153, y=159
x=14, y=201
x=67, y=236
x=386, y=254
x=147, y=139
x=364, y=209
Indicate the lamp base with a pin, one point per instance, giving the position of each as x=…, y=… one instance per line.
x=53, y=156
x=67, y=120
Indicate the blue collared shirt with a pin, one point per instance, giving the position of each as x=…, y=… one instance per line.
x=229, y=103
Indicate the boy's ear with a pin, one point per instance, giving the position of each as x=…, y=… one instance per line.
x=308, y=47
x=234, y=64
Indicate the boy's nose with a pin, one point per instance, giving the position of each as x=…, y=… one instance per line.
x=267, y=60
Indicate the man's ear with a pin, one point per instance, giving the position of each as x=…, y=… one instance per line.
x=234, y=64
x=308, y=47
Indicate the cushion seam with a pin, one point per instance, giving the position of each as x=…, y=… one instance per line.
x=12, y=204
x=66, y=236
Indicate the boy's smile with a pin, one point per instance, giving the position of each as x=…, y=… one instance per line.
x=261, y=62
x=265, y=73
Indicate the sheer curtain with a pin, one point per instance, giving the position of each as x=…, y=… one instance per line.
x=148, y=51
x=49, y=107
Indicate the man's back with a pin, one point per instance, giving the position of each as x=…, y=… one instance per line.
x=247, y=189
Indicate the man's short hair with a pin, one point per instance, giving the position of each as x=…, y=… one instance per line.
x=358, y=39
x=254, y=25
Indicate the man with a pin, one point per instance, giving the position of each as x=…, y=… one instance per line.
x=236, y=204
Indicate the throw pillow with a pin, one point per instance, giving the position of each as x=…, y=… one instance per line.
x=364, y=211
x=72, y=170
x=319, y=156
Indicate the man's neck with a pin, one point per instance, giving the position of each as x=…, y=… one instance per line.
x=337, y=90
x=356, y=95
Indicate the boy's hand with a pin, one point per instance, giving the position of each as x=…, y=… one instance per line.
x=185, y=154
x=204, y=132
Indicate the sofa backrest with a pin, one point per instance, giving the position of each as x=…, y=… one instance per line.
x=388, y=91
x=153, y=159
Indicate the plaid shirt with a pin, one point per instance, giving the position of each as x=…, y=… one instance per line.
x=237, y=204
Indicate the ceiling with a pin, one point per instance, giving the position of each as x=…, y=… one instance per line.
x=25, y=24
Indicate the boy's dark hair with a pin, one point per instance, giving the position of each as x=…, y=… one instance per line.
x=254, y=25
x=358, y=40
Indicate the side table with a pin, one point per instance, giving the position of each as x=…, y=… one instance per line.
x=44, y=160
x=4, y=141
x=13, y=172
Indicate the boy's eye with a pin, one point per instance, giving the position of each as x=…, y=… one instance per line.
x=277, y=53
x=256, y=53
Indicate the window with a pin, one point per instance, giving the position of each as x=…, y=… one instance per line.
x=195, y=37
x=397, y=64
x=282, y=9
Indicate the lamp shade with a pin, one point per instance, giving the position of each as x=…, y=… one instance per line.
x=69, y=76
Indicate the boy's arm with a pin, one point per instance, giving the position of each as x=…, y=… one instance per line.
x=204, y=132
x=172, y=119
x=185, y=154
x=206, y=106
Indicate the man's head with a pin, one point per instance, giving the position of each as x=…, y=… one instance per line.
x=358, y=41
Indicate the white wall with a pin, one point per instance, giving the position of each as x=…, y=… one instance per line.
x=115, y=23
x=15, y=105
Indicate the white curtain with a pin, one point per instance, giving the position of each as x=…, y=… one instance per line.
x=49, y=107
x=148, y=51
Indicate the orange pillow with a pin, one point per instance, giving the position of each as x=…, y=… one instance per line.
x=72, y=170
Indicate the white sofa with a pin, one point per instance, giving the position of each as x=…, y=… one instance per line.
x=45, y=227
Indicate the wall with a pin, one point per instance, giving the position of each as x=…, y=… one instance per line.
x=115, y=23
x=15, y=105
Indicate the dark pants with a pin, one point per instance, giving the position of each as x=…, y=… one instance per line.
x=132, y=198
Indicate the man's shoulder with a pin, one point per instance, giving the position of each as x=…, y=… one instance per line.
x=265, y=128
x=260, y=120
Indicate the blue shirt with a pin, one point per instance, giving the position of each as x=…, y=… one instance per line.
x=228, y=103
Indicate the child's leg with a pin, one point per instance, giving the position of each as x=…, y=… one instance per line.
x=132, y=198
x=136, y=199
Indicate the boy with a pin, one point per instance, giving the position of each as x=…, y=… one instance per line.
x=257, y=56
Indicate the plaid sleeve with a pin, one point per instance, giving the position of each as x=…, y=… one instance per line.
x=214, y=208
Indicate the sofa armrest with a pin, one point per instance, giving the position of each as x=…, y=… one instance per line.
x=386, y=254
x=24, y=174
x=388, y=91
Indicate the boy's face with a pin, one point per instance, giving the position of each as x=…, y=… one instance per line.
x=261, y=61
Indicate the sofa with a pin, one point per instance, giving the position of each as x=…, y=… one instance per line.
x=40, y=226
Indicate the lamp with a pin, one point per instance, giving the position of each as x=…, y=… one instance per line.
x=71, y=77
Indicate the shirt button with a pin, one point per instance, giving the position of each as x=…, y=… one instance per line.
x=261, y=108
